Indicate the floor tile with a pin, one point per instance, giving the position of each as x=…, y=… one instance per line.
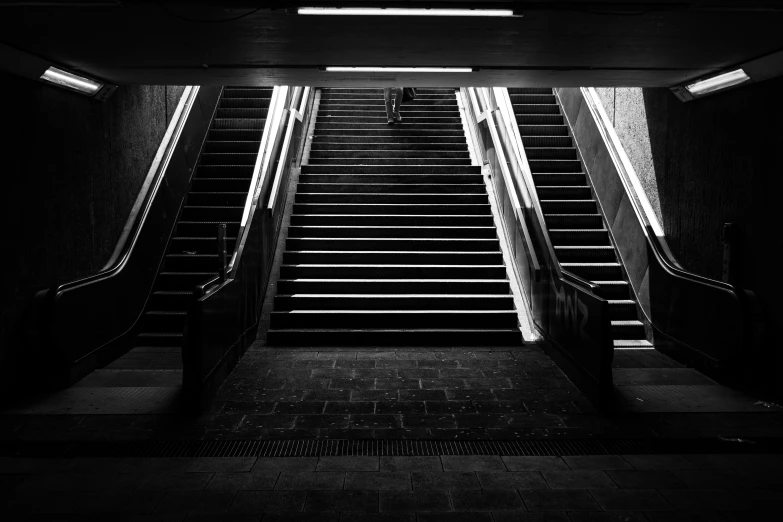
x=377, y=480
x=645, y=479
x=195, y=502
x=472, y=463
x=348, y=463
x=512, y=480
x=583, y=479
x=486, y=500
x=222, y=464
x=277, y=464
x=514, y=463
x=714, y=499
x=393, y=463
x=238, y=481
x=597, y=462
x=269, y=502
x=630, y=500
x=307, y=480
x=414, y=501
x=558, y=500
x=668, y=462
x=332, y=501
x=427, y=480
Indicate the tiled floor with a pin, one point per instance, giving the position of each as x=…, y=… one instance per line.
x=449, y=488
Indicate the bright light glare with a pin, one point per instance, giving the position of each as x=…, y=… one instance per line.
x=71, y=81
x=716, y=83
x=396, y=11
x=402, y=69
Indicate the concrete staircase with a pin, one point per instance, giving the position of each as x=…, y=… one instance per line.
x=392, y=240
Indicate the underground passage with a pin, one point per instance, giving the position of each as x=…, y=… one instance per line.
x=247, y=282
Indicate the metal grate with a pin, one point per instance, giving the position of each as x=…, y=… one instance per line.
x=344, y=447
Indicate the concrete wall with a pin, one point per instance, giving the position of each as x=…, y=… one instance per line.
x=71, y=170
x=706, y=163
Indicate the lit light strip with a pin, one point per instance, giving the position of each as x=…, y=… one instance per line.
x=397, y=11
x=71, y=81
x=716, y=83
x=402, y=69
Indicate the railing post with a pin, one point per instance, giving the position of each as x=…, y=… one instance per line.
x=221, y=244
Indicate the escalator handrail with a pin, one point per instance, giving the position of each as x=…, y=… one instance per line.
x=143, y=204
x=513, y=191
x=505, y=108
x=261, y=169
x=299, y=99
x=639, y=202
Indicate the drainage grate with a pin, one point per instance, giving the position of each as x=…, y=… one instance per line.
x=344, y=447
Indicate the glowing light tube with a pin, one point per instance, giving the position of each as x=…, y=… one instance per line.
x=398, y=11
x=716, y=83
x=71, y=81
x=402, y=69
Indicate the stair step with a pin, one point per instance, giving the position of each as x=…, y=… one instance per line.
x=533, y=99
x=539, y=119
x=294, y=257
x=412, y=138
x=217, y=147
x=193, y=262
x=393, y=302
x=238, y=123
x=543, y=130
x=395, y=337
x=348, y=271
x=390, y=208
x=456, y=319
x=173, y=339
x=398, y=132
x=594, y=271
x=401, y=147
x=623, y=310
x=235, y=135
x=569, y=206
x=391, y=169
x=242, y=103
x=395, y=188
x=563, y=192
x=368, y=153
x=186, y=281
x=547, y=141
x=164, y=321
x=205, y=228
x=220, y=185
x=392, y=232
x=228, y=158
x=402, y=179
x=224, y=171
x=393, y=286
x=554, y=165
x=582, y=221
x=168, y=300
x=629, y=329
x=410, y=219
x=394, y=244
x=585, y=254
x=535, y=108
x=389, y=198
x=633, y=344
x=578, y=236
x=219, y=214
x=247, y=92
x=199, y=245
x=560, y=179
x=216, y=199
x=616, y=290
x=529, y=90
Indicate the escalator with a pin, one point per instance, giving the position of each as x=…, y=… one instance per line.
x=217, y=195
x=576, y=227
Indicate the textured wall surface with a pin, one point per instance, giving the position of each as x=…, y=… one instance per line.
x=72, y=168
x=706, y=163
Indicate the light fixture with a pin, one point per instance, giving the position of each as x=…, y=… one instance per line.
x=716, y=83
x=71, y=81
x=97, y=90
x=402, y=69
x=693, y=90
x=399, y=11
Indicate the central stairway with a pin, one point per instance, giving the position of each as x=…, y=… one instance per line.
x=392, y=239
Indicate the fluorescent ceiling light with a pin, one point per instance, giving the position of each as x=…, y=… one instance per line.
x=397, y=11
x=71, y=81
x=402, y=69
x=716, y=83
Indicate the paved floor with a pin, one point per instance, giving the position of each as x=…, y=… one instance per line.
x=447, y=488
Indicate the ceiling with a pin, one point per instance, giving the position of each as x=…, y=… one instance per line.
x=552, y=43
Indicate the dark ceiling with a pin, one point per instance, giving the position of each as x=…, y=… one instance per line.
x=553, y=43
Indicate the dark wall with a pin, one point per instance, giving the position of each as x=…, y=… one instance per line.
x=708, y=162
x=71, y=169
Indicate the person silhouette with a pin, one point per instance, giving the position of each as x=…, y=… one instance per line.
x=393, y=114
